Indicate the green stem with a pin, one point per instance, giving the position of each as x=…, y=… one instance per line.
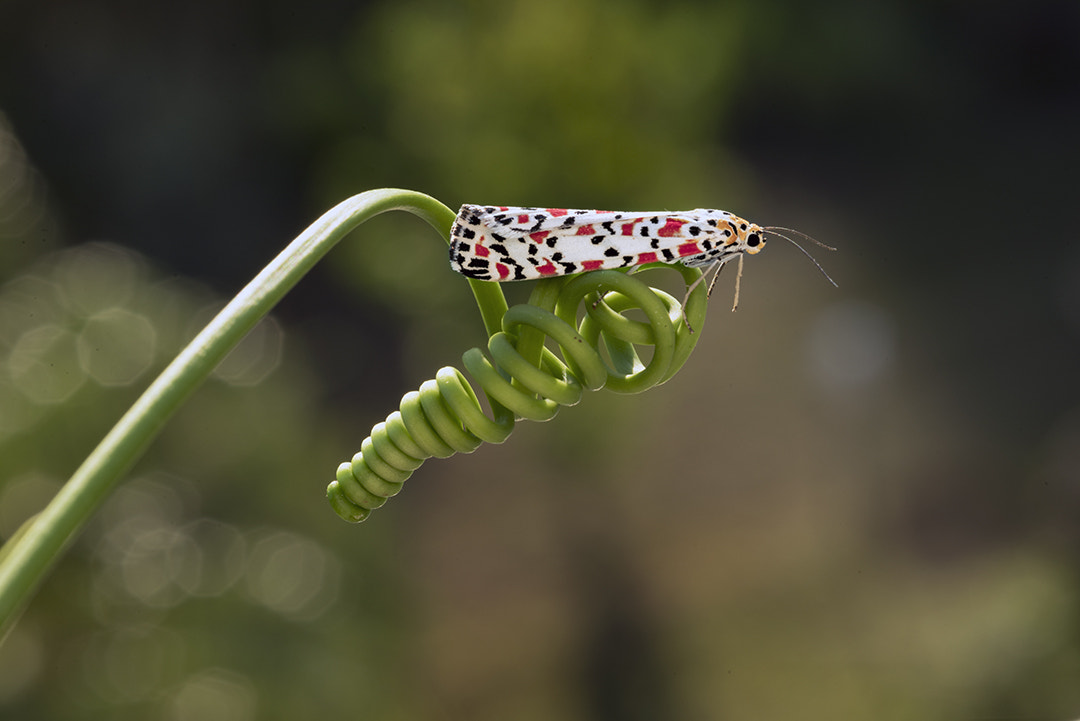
x=29, y=555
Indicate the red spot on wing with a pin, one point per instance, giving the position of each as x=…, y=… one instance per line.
x=586, y=230
x=524, y=218
x=671, y=228
x=628, y=228
x=539, y=235
x=548, y=268
x=689, y=249
x=591, y=264
x=481, y=251
x=646, y=258
x=557, y=212
x=502, y=270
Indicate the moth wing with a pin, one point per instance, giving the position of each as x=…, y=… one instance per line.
x=520, y=243
x=519, y=221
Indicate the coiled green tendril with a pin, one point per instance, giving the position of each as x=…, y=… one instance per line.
x=524, y=378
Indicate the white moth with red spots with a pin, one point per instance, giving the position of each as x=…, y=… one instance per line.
x=504, y=243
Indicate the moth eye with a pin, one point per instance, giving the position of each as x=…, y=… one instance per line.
x=753, y=240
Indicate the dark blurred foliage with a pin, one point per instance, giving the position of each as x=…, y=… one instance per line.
x=860, y=503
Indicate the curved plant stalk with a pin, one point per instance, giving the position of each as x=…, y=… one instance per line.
x=35, y=548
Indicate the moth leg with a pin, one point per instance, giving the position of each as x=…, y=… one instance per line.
x=738, y=278
x=719, y=265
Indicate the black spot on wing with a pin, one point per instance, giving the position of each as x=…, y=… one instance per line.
x=476, y=268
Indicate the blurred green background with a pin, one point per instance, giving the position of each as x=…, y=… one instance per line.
x=853, y=503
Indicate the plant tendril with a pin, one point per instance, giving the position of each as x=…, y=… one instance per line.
x=522, y=378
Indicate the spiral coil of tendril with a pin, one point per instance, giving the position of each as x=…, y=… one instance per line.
x=527, y=380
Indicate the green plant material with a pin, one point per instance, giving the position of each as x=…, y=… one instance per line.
x=526, y=379
x=31, y=552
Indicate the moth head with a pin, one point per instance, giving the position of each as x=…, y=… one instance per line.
x=753, y=237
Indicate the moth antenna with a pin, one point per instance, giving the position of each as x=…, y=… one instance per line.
x=801, y=234
x=773, y=228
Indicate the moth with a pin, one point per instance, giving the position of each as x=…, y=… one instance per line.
x=505, y=243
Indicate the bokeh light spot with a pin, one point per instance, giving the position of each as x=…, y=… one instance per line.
x=851, y=345
x=255, y=357
x=43, y=365
x=97, y=276
x=151, y=564
x=215, y=695
x=23, y=198
x=29, y=302
x=292, y=576
x=116, y=346
x=218, y=558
